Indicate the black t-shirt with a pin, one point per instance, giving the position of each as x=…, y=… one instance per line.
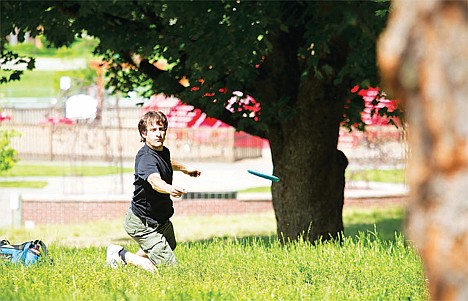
x=147, y=203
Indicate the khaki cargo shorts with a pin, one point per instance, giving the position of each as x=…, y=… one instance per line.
x=157, y=242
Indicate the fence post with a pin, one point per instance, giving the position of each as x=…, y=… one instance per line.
x=231, y=151
x=51, y=141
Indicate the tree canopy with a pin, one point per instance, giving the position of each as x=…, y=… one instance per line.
x=218, y=46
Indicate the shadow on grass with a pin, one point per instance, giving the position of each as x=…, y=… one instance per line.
x=386, y=228
x=262, y=240
x=385, y=223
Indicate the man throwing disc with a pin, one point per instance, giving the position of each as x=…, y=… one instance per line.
x=148, y=218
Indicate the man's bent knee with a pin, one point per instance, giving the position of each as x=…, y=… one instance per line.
x=161, y=253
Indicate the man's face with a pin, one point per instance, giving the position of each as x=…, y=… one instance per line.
x=155, y=136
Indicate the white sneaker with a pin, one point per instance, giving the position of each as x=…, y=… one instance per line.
x=112, y=257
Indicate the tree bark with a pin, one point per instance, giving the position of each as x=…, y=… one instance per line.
x=423, y=56
x=308, y=201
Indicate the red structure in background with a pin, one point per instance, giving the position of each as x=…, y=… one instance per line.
x=378, y=128
x=57, y=120
x=374, y=101
x=186, y=116
x=180, y=115
x=4, y=117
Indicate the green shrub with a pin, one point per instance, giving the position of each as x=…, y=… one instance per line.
x=8, y=155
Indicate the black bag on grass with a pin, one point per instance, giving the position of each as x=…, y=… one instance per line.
x=27, y=253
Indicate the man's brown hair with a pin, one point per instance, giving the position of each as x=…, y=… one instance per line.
x=151, y=118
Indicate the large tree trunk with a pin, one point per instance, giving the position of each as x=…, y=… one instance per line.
x=308, y=201
x=423, y=56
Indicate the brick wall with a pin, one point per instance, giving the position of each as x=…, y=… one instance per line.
x=221, y=207
x=80, y=209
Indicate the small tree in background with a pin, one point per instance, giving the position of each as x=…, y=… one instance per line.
x=8, y=155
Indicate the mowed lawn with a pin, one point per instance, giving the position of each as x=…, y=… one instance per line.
x=12, y=177
x=226, y=258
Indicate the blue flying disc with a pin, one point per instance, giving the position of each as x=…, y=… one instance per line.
x=263, y=175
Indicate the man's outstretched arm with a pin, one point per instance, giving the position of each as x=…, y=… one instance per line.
x=193, y=172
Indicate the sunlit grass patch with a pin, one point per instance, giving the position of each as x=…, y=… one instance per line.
x=377, y=175
x=226, y=258
x=254, y=268
x=43, y=170
x=23, y=184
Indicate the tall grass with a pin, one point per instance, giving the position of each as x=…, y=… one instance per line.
x=364, y=268
x=226, y=258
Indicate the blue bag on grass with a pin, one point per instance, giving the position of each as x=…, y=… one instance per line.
x=27, y=253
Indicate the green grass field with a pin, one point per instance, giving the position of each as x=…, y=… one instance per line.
x=40, y=84
x=81, y=48
x=54, y=170
x=46, y=84
x=377, y=175
x=226, y=258
x=23, y=184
